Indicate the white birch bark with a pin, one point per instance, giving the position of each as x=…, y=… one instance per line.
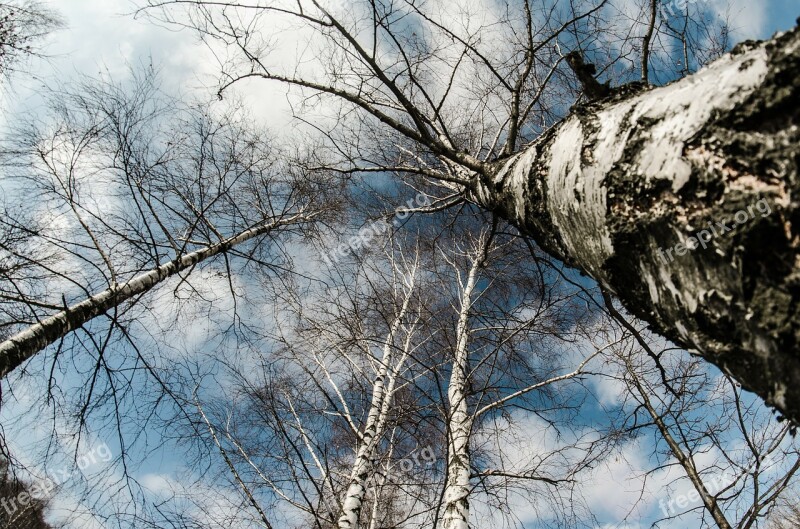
x=23, y=345
x=638, y=172
x=457, y=488
x=382, y=391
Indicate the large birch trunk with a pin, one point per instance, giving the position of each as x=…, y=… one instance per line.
x=683, y=201
x=23, y=345
x=457, y=488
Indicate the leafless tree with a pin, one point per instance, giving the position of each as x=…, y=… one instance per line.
x=473, y=98
x=132, y=201
x=23, y=25
x=361, y=419
x=129, y=206
x=739, y=460
x=302, y=396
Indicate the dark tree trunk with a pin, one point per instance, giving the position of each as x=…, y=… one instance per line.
x=683, y=201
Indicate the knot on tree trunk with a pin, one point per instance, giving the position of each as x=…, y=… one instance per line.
x=585, y=72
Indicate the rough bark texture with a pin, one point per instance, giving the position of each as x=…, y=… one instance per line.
x=616, y=187
x=25, y=344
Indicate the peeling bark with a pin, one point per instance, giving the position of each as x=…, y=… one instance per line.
x=23, y=345
x=617, y=186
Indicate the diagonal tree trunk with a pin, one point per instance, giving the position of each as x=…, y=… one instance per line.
x=23, y=345
x=683, y=201
x=619, y=187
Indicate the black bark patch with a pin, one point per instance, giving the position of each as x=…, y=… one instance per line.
x=759, y=142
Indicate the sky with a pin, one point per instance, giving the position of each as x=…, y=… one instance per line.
x=103, y=38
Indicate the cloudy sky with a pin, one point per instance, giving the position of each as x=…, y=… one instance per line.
x=102, y=37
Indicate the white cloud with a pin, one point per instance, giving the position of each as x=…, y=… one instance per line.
x=748, y=19
x=609, y=390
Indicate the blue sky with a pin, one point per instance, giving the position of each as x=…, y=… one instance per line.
x=102, y=38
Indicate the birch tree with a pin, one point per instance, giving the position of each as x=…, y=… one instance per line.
x=310, y=416
x=119, y=202
x=675, y=198
x=369, y=414
x=23, y=25
x=459, y=421
x=739, y=461
x=313, y=421
x=383, y=388
x=495, y=368
x=126, y=201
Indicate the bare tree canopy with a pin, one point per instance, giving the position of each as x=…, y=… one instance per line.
x=503, y=264
x=639, y=187
x=23, y=25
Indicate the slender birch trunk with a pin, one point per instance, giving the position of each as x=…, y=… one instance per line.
x=709, y=501
x=457, y=488
x=382, y=391
x=23, y=345
x=624, y=185
x=682, y=200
